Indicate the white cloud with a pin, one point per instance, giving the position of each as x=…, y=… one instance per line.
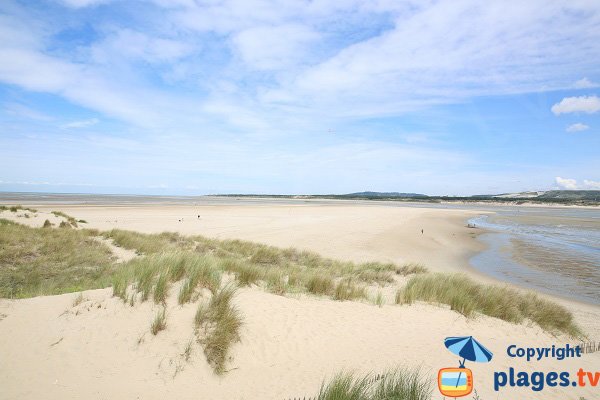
x=274, y=47
x=586, y=104
x=83, y=3
x=578, y=127
x=591, y=184
x=584, y=83
x=566, y=183
x=80, y=124
x=130, y=44
x=571, y=184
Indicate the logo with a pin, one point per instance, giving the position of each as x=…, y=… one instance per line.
x=458, y=382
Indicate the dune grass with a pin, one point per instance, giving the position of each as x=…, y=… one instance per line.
x=398, y=384
x=38, y=261
x=468, y=297
x=16, y=208
x=161, y=288
x=69, y=220
x=218, y=327
x=159, y=323
x=279, y=270
x=320, y=285
x=347, y=289
x=149, y=243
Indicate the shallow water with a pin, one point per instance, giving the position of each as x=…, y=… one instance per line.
x=556, y=250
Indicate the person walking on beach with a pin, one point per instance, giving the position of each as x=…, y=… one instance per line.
x=421, y=231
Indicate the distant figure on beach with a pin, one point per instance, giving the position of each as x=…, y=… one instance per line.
x=421, y=231
x=198, y=216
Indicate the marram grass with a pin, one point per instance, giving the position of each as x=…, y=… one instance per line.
x=398, y=384
x=468, y=297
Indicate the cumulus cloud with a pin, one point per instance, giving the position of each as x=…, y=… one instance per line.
x=80, y=124
x=571, y=184
x=566, y=183
x=578, y=127
x=585, y=104
x=584, y=83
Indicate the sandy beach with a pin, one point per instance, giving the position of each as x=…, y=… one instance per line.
x=101, y=347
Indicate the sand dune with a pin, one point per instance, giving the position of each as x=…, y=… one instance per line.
x=102, y=348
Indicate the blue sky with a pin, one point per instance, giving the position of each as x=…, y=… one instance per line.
x=255, y=96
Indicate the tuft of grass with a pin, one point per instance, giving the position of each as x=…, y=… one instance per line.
x=411, y=268
x=467, y=297
x=320, y=284
x=187, y=350
x=161, y=288
x=218, y=327
x=276, y=282
x=266, y=255
x=246, y=274
x=379, y=300
x=159, y=322
x=64, y=224
x=400, y=384
x=69, y=220
x=47, y=224
x=120, y=283
x=346, y=289
x=202, y=272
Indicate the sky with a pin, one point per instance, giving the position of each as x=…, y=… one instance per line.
x=195, y=97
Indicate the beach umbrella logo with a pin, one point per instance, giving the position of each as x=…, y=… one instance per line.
x=458, y=382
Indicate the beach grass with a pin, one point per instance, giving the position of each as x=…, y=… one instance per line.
x=347, y=289
x=398, y=384
x=16, y=208
x=468, y=297
x=38, y=261
x=159, y=323
x=69, y=220
x=149, y=243
x=218, y=327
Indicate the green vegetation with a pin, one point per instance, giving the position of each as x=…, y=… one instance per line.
x=468, y=297
x=218, y=327
x=47, y=224
x=38, y=261
x=379, y=300
x=159, y=323
x=280, y=270
x=17, y=208
x=69, y=220
x=347, y=290
x=397, y=384
x=149, y=243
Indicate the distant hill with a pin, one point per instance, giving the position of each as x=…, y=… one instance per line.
x=566, y=197
x=593, y=195
x=385, y=194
